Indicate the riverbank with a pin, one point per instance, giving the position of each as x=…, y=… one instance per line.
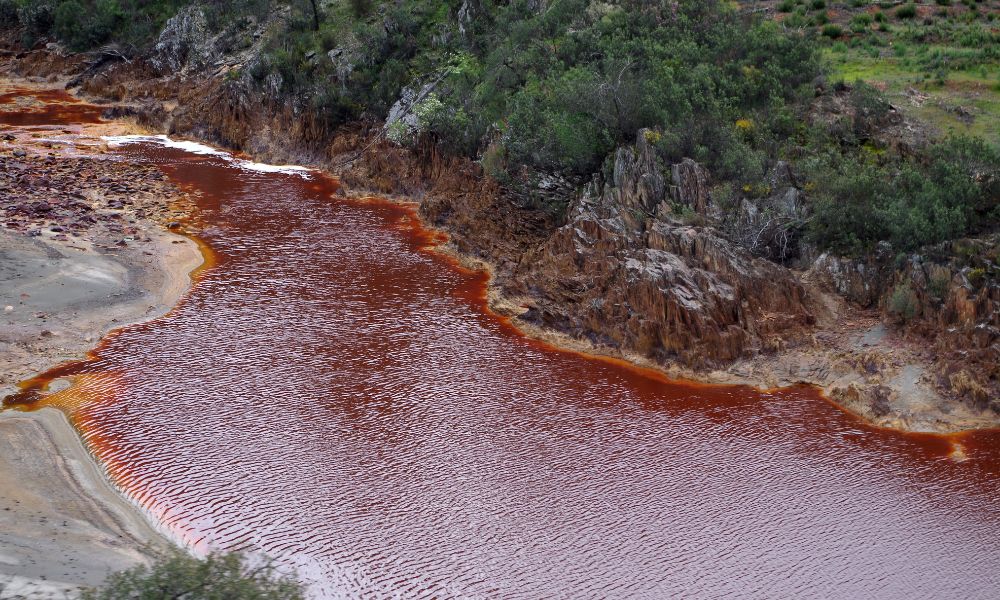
x=697, y=306
x=62, y=524
x=861, y=365
x=85, y=249
x=864, y=365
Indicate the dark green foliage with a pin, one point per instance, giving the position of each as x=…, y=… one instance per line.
x=361, y=8
x=907, y=11
x=36, y=20
x=691, y=72
x=556, y=88
x=84, y=27
x=859, y=203
x=870, y=109
x=87, y=24
x=217, y=577
x=527, y=86
x=8, y=13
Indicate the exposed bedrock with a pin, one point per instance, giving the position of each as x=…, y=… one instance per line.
x=623, y=271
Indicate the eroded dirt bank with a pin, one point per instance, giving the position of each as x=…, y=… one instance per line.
x=621, y=272
x=83, y=250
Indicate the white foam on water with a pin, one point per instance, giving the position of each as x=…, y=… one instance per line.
x=196, y=148
x=265, y=168
x=193, y=147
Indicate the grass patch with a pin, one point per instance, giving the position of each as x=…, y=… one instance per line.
x=966, y=102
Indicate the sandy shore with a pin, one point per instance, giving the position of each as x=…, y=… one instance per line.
x=83, y=250
x=62, y=524
x=58, y=301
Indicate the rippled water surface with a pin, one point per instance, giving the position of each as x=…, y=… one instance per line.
x=335, y=395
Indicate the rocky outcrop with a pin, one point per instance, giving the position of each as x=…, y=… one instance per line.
x=953, y=301
x=403, y=123
x=690, y=186
x=769, y=224
x=624, y=272
x=863, y=281
x=621, y=270
x=184, y=43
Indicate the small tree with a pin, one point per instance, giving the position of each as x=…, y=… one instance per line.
x=179, y=575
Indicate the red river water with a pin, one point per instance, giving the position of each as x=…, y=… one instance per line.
x=336, y=395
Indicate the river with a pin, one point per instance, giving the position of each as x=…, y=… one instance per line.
x=335, y=394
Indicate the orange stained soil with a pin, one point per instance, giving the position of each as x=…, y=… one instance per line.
x=336, y=395
x=45, y=107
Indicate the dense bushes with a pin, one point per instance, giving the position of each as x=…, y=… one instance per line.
x=178, y=575
x=953, y=193
x=554, y=86
x=528, y=86
x=558, y=90
x=86, y=24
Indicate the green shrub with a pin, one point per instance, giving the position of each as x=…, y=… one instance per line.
x=86, y=27
x=907, y=11
x=620, y=70
x=86, y=24
x=938, y=285
x=178, y=575
x=8, y=13
x=858, y=203
x=36, y=19
x=870, y=108
x=976, y=276
x=903, y=303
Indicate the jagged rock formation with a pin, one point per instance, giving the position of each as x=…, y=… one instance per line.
x=624, y=272
x=183, y=44
x=862, y=281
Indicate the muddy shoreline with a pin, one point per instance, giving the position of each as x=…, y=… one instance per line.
x=84, y=251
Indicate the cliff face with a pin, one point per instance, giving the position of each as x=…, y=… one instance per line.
x=624, y=271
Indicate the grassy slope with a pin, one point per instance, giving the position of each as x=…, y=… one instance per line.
x=945, y=80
